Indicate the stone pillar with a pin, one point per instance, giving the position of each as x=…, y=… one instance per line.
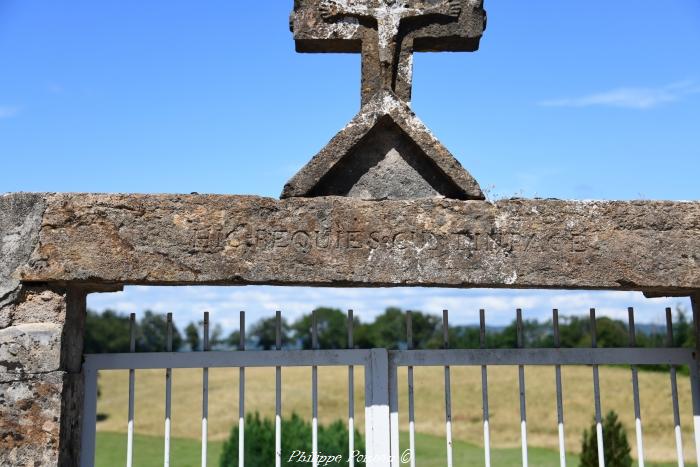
x=41, y=346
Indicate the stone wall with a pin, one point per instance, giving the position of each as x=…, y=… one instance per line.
x=41, y=336
x=40, y=381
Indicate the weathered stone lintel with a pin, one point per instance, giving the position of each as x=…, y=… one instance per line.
x=331, y=241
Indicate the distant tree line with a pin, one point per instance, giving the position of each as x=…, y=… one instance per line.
x=108, y=332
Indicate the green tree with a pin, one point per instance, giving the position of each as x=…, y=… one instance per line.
x=265, y=332
x=107, y=332
x=427, y=330
x=616, y=449
x=332, y=329
x=192, y=337
x=611, y=333
x=296, y=436
x=388, y=331
x=234, y=339
x=683, y=335
x=508, y=337
x=575, y=331
x=153, y=333
x=110, y=332
x=216, y=338
x=464, y=337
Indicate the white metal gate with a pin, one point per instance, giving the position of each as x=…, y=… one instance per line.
x=382, y=421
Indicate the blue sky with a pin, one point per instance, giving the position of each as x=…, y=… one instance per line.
x=579, y=99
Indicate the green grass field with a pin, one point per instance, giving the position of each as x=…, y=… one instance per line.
x=148, y=451
x=429, y=392
x=430, y=452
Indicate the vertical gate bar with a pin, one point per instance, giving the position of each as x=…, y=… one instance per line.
x=596, y=395
x=695, y=391
x=241, y=395
x=205, y=390
x=448, y=393
x=89, y=419
x=560, y=404
x=680, y=456
x=411, y=406
x=168, y=391
x=394, y=414
x=485, y=391
x=635, y=390
x=278, y=392
x=132, y=382
x=351, y=395
x=521, y=381
x=369, y=412
x=377, y=424
x=694, y=381
x=314, y=393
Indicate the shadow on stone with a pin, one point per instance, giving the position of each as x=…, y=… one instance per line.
x=386, y=164
x=385, y=152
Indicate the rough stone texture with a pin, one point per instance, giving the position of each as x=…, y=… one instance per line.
x=20, y=218
x=404, y=32
x=34, y=305
x=29, y=349
x=30, y=420
x=385, y=152
x=195, y=239
x=40, y=383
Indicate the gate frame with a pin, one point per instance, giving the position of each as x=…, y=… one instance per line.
x=382, y=421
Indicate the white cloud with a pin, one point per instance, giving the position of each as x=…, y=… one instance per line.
x=8, y=112
x=630, y=97
x=224, y=303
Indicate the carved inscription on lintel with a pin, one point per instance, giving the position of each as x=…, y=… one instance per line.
x=246, y=237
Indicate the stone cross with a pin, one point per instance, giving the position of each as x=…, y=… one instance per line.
x=389, y=15
x=387, y=32
x=386, y=152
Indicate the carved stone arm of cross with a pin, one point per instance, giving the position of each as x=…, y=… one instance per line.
x=331, y=9
x=451, y=8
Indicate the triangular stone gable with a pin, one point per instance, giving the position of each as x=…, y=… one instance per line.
x=385, y=152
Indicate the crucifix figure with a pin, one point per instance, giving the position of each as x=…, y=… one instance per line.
x=387, y=32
